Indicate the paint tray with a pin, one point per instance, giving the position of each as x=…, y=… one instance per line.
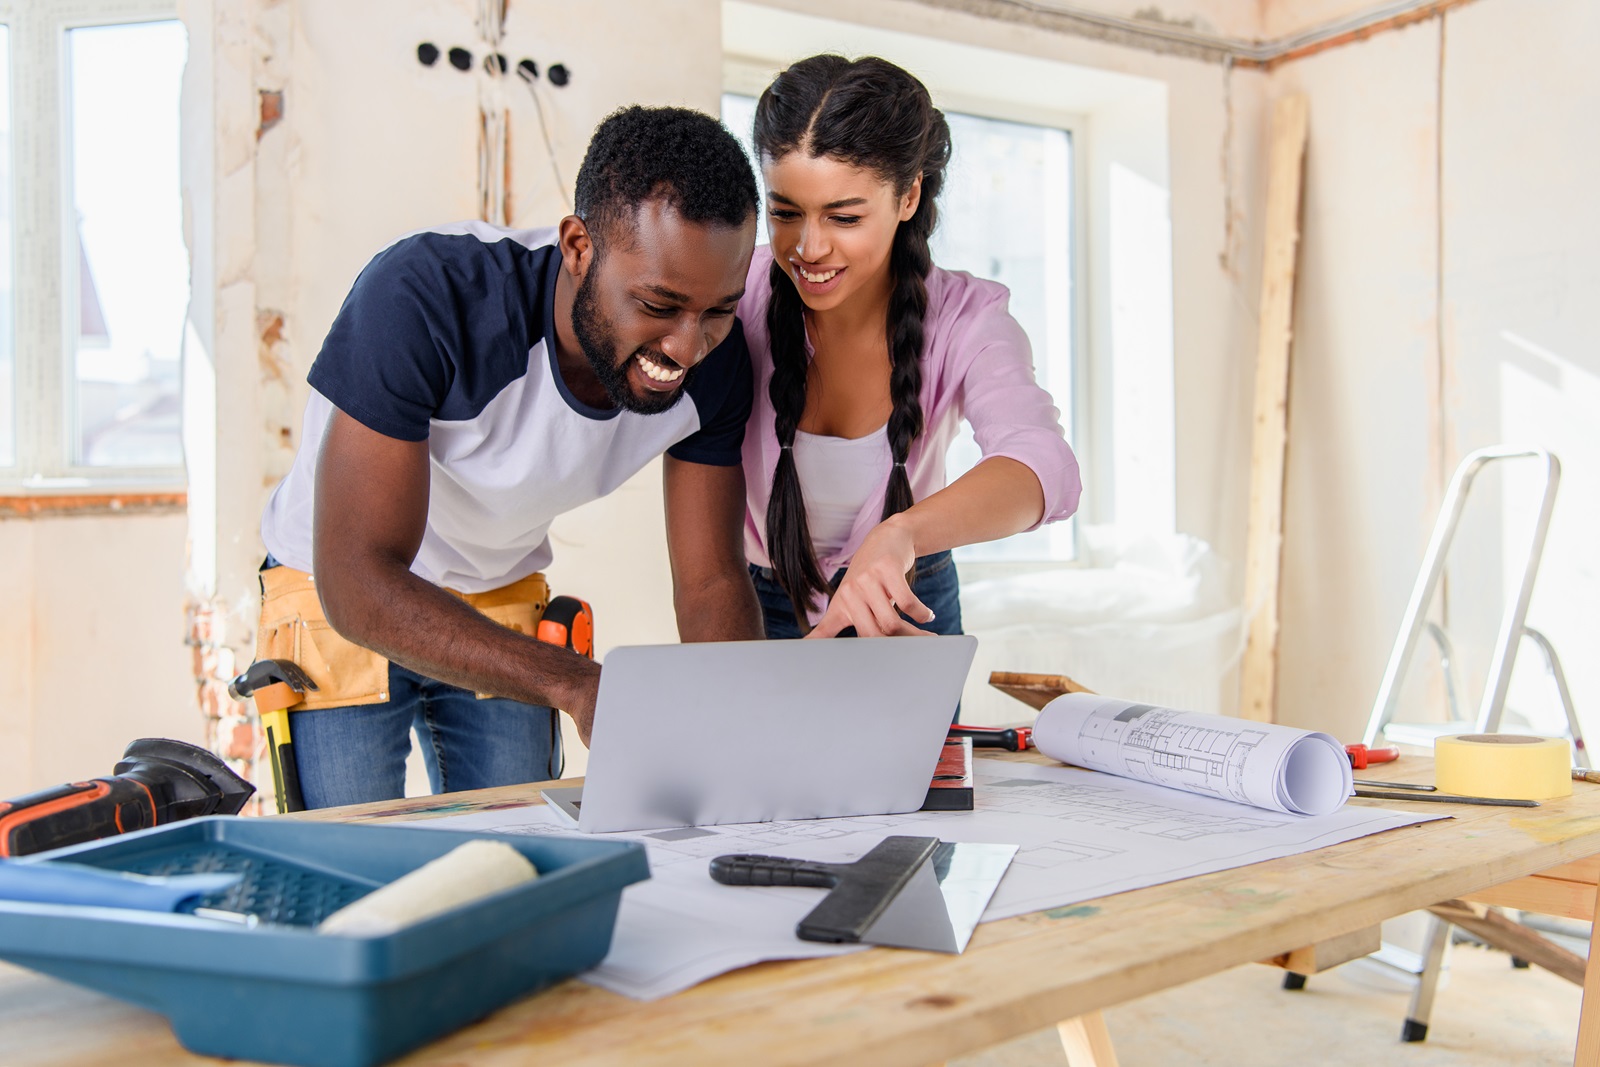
x=280, y=992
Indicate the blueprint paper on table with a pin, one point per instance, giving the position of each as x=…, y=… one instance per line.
x=1080, y=834
x=1281, y=768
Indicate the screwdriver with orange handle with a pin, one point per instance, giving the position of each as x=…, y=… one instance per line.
x=1361, y=757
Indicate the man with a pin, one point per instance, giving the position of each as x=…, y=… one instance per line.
x=477, y=383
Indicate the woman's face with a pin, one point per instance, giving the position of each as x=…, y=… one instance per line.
x=832, y=227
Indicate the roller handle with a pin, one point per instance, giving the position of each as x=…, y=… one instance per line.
x=745, y=869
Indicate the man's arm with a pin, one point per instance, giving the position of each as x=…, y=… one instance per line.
x=711, y=586
x=371, y=512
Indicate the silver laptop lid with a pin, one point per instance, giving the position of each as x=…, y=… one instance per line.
x=755, y=731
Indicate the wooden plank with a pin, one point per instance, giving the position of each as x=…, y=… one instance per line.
x=1588, y=1051
x=1087, y=1042
x=1326, y=955
x=1270, y=440
x=1513, y=937
x=1587, y=870
x=1549, y=896
x=1034, y=690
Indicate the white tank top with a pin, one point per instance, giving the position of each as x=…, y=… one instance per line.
x=840, y=476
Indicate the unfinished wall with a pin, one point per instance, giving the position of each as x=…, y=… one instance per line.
x=1450, y=234
x=93, y=632
x=319, y=138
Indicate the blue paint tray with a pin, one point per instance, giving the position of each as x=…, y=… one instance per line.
x=280, y=992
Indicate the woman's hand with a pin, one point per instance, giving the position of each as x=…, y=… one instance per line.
x=874, y=591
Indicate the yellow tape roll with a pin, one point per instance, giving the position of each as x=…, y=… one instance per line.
x=1503, y=766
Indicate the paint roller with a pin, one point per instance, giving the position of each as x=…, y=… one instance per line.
x=462, y=876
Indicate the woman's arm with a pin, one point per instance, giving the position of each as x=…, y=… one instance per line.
x=997, y=498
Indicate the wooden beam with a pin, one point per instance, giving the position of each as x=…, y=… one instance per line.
x=1326, y=955
x=1270, y=440
x=1513, y=937
x=1547, y=896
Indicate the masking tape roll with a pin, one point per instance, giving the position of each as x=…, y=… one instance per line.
x=1503, y=766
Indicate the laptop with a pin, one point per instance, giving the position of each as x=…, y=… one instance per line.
x=757, y=731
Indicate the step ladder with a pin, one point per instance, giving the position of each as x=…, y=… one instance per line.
x=1513, y=627
x=1513, y=630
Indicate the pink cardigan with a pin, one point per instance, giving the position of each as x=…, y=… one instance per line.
x=976, y=365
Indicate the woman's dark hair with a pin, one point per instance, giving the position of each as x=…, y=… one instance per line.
x=870, y=114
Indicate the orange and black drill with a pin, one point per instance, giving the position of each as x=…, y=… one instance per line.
x=156, y=782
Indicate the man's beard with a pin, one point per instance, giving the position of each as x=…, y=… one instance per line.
x=598, y=341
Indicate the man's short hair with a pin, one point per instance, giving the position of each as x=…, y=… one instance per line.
x=684, y=157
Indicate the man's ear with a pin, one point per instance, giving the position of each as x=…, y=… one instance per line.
x=577, y=247
x=913, y=197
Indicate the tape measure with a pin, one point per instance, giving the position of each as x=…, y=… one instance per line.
x=568, y=622
x=1503, y=766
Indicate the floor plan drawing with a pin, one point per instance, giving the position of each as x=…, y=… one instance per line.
x=1080, y=835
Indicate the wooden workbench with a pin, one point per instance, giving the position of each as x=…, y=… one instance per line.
x=887, y=1007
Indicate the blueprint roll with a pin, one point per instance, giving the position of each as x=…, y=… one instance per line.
x=1280, y=768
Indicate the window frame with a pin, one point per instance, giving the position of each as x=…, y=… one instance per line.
x=747, y=76
x=44, y=275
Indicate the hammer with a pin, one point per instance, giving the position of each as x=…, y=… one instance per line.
x=277, y=685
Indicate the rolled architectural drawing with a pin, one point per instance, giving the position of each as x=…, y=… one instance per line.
x=471, y=872
x=1263, y=764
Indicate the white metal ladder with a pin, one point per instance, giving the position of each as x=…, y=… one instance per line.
x=1513, y=622
x=1491, y=707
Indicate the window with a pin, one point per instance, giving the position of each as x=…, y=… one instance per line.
x=90, y=372
x=1005, y=214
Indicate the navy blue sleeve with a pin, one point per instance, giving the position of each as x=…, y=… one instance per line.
x=434, y=327
x=722, y=392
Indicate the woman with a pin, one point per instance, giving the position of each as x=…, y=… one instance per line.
x=866, y=359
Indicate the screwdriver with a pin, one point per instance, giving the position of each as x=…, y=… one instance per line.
x=1010, y=738
x=1361, y=757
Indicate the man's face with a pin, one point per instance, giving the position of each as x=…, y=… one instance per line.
x=658, y=300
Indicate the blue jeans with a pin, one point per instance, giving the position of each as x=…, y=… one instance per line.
x=934, y=583
x=358, y=754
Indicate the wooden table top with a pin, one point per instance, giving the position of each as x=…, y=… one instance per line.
x=890, y=1007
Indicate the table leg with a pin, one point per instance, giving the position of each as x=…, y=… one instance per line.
x=1087, y=1042
x=1589, y=1017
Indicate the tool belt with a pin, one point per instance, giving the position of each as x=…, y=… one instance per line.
x=294, y=627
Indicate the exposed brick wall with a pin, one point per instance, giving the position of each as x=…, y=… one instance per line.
x=233, y=730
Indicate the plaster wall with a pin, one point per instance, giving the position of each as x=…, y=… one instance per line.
x=1364, y=470
x=1450, y=229
x=371, y=144
x=94, y=637
x=1521, y=256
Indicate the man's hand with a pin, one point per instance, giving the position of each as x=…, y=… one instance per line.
x=580, y=703
x=875, y=591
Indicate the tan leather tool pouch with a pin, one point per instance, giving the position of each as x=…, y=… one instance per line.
x=293, y=627
x=518, y=606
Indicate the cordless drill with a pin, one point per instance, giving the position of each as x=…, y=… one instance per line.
x=157, y=781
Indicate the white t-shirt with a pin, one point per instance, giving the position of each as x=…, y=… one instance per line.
x=448, y=336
